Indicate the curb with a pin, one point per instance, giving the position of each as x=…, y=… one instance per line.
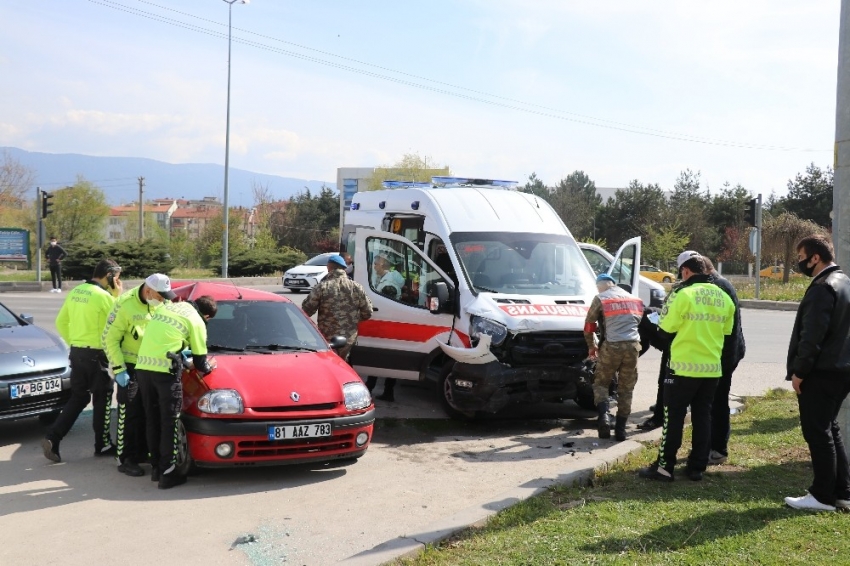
x=410, y=546
x=768, y=305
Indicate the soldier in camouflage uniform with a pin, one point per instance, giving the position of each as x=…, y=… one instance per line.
x=341, y=302
x=619, y=314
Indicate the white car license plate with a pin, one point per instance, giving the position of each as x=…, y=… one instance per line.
x=31, y=388
x=296, y=282
x=289, y=432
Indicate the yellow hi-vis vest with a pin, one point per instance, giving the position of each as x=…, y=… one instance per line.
x=172, y=327
x=700, y=315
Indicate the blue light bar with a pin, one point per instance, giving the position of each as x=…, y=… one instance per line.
x=467, y=181
x=405, y=185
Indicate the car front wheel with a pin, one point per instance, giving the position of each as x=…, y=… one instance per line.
x=666, y=280
x=185, y=463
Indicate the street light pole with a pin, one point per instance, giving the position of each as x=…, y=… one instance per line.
x=226, y=236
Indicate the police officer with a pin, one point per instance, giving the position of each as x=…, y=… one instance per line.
x=619, y=313
x=173, y=327
x=342, y=304
x=88, y=305
x=121, y=338
x=696, y=319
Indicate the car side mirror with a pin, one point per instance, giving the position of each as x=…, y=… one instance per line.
x=28, y=318
x=438, y=302
x=338, y=342
x=625, y=287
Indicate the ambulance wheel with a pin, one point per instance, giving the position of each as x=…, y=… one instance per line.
x=185, y=463
x=444, y=390
x=584, y=397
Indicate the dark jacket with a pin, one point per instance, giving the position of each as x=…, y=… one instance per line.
x=734, y=347
x=820, y=341
x=55, y=254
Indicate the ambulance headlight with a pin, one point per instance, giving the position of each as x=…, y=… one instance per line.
x=221, y=402
x=478, y=326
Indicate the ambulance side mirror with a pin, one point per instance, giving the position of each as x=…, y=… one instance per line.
x=438, y=301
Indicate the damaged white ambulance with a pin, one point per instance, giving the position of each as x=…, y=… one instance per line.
x=477, y=286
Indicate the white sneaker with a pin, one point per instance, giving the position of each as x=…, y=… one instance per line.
x=715, y=458
x=808, y=503
x=53, y=290
x=59, y=290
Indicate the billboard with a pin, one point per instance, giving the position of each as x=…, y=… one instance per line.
x=14, y=244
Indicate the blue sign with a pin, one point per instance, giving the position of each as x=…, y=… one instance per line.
x=14, y=244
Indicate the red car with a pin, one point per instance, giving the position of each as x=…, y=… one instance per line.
x=280, y=394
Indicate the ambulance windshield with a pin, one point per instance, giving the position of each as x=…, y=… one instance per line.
x=523, y=263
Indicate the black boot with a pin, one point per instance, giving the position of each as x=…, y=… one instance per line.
x=620, y=429
x=371, y=381
x=603, y=424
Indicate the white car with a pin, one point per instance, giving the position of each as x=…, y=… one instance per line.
x=651, y=293
x=308, y=274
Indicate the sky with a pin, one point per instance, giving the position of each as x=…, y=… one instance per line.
x=743, y=92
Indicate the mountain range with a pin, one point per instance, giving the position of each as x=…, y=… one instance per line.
x=118, y=177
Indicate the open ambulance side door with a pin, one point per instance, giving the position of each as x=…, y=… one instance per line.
x=402, y=336
x=625, y=269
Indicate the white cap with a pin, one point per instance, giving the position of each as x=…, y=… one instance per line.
x=161, y=284
x=685, y=256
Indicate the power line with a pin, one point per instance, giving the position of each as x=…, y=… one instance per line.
x=509, y=103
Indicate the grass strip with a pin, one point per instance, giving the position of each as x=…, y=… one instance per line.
x=736, y=515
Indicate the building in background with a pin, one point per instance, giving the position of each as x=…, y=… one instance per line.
x=123, y=223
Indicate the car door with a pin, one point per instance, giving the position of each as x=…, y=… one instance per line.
x=401, y=337
x=625, y=267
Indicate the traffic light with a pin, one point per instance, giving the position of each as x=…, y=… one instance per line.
x=750, y=212
x=46, y=205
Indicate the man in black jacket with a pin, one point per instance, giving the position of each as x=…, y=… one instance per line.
x=819, y=370
x=55, y=254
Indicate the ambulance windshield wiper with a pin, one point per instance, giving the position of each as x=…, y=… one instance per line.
x=220, y=348
x=480, y=288
x=279, y=347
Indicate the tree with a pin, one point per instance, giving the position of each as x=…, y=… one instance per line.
x=79, y=213
x=264, y=208
x=727, y=215
x=153, y=231
x=536, y=187
x=15, y=180
x=308, y=220
x=781, y=235
x=575, y=200
x=664, y=244
x=209, y=244
x=632, y=212
x=411, y=167
x=688, y=212
x=810, y=195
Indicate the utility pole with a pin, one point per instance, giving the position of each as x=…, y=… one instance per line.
x=841, y=188
x=141, y=208
x=39, y=228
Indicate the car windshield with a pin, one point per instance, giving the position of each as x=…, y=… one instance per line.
x=259, y=325
x=7, y=319
x=319, y=260
x=523, y=263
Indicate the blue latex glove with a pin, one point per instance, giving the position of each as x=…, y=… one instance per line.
x=187, y=355
x=122, y=378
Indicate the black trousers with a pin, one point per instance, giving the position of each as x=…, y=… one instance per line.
x=162, y=396
x=56, y=275
x=131, y=433
x=658, y=412
x=679, y=392
x=89, y=382
x=720, y=427
x=389, y=383
x=819, y=403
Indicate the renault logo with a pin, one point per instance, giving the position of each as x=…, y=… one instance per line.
x=295, y=396
x=29, y=361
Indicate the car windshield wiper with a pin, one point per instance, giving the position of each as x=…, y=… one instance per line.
x=480, y=288
x=280, y=347
x=220, y=348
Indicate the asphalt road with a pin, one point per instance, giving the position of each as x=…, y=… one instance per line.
x=419, y=469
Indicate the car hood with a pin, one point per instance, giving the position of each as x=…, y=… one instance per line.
x=305, y=269
x=523, y=313
x=269, y=380
x=44, y=351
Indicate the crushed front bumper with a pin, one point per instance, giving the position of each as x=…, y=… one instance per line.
x=496, y=385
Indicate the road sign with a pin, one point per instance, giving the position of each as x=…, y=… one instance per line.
x=755, y=241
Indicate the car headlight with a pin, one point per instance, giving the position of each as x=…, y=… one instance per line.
x=221, y=402
x=478, y=326
x=356, y=396
x=316, y=273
